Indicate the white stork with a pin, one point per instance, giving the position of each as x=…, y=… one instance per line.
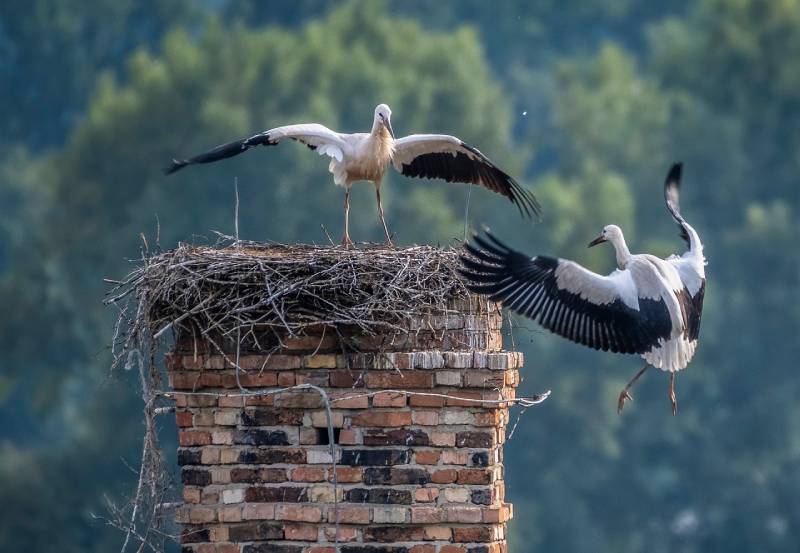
x=650, y=306
x=366, y=157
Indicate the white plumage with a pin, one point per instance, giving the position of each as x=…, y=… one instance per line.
x=366, y=156
x=648, y=306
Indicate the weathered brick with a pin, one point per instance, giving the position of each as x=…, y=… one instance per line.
x=347, y=475
x=299, y=513
x=376, y=457
x=395, y=476
x=426, y=495
x=349, y=400
x=389, y=534
x=444, y=439
x=481, y=497
x=456, y=495
x=400, y=436
x=286, y=378
x=390, y=515
x=276, y=494
x=471, y=534
x=189, y=456
x=425, y=401
x=252, y=531
x=405, y=380
x=463, y=514
x=187, y=438
x=455, y=457
x=195, y=477
x=183, y=418
x=382, y=418
x=231, y=513
x=350, y=436
x=389, y=399
x=423, y=548
x=293, y=456
x=427, y=515
x=444, y=476
x=373, y=549
x=347, y=379
x=474, y=476
x=438, y=533
x=301, y=532
x=448, y=378
x=260, y=437
x=269, y=416
x=319, y=419
x=308, y=474
x=474, y=439
x=450, y=548
x=258, y=511
x=425, y=418
x=272, y=548
x=299, y=400
x=378, y=495
x=263, y=475
x=320, y=361
x=351, y=514
x=480, y=459
x=427, y=456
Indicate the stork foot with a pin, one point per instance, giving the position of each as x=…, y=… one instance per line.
x=672, y=397
x=346, y=240
x=623, y=395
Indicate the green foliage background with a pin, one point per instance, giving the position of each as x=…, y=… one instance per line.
x=586, y=101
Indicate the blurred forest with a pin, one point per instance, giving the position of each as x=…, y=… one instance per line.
x=587, y=102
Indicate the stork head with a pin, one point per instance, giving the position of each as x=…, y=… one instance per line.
x=383, y=117
x=611, y=233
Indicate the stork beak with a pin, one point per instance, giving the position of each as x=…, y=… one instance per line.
x=388, y=125
x=598, y=240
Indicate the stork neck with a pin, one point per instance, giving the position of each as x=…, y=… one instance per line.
x=622, y=251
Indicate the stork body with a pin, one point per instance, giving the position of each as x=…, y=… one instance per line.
x=648, y=306
x=367, y=157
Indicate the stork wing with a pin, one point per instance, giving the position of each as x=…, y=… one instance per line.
x=672, y=188
x=447, y=157
x=602, y=312
x=315, y=136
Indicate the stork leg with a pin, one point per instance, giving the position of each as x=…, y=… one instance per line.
x=380, y=214
x=672, y=398
x=346, y=238
x=623, y=395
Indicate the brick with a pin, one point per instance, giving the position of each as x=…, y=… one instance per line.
x=272, y=548
x=395, y=476
x=189, y=456
x=458, y=416
x=344, y=535
x=489, y=418
x=260, y=437
x=320, y=361
x=286, y=378
x=350, y=436
x=373, y=549
x=188, y=438
x=382, y=418
x=202, y=515
x=270, y=416
x=263, y=475
x=448, y=378
x=426, y=515
x=427, y=456
x=275, y=494
x=438, y=533
x=232, y=513
x=425, y=418
x=457, y=495
x=351, y=514
x=472, y=534
x=405, y=380
x=347, y=475
x=378, y=495
x=389, y=399
x=210, y=456
x=481, y=440
x=299, y=400
x=299, y=513
x=308, y=474
x=426, y=495
x=322, y=494
x=390, y=515
x=308, y=436
x=183, y=418
x=309, y=343
x=319, y=457
x=458, y=360
x=463, y=514
x=483, y=379
x=257, y=511
x=423, y=548
x=449, y=548
x=462, y=398
x=317, y=378
x=375, y=457
x=400, y=436
x=257, y=380
x=425, y=401
x=319, y=419
x=222, y=437
x=191, y=495
x=443, y=439
x=321, y=548
x=195, y=477
x=480, y=459
x=349, y=400
x=346, y=379
x=294, y=456
x=474, y=476
x=389, y=534
x=235, y=495
x=300, y=532
x=444, y=476
x=229, y=455
x=252, y=531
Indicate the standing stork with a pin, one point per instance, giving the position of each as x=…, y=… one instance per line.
x=650, y=306
x=366, y=157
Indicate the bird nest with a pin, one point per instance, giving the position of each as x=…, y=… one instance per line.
x=255, y=295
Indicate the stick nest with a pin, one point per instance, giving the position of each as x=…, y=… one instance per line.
x=245, y=291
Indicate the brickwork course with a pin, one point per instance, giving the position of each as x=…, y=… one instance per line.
x=415, y=472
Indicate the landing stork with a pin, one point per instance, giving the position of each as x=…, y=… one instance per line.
x=366, y=157
x=650, y=306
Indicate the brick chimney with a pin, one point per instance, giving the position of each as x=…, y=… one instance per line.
x=415, y=472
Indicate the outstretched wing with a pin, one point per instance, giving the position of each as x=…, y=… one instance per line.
x=315, y=136
x=602, y=312
x=446, y=157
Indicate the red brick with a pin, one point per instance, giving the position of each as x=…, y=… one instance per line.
x=426, y=495
x=425, y=401
x=472, y=534
x=425, y=418
x=448, y=548
x=194, y=437
x=183, y=418
x=404, y=380
x=423, y=548
x=256, y=380
x=474, y=476
x=308, y=474
x=300, y=532
x=349, y=400
x=439, y=533
x=427, y=456
x=345, y=534
x=444, y=476
x=191, y=495
x=349, y=436
x=285, y=378
x=388, y=534
x=346, y=379
x=383, y=418
x=462, y=397
x=300, y=513
x=389, y=399
x=347, y=475
x=426, y=515
x=463, y=514
x=318, y=549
